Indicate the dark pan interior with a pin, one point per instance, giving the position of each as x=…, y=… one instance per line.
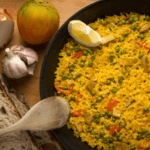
x=87, y=15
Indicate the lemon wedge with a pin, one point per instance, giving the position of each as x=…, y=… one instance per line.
x=83, y=33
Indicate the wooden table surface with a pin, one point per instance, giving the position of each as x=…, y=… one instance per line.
x=29, y=86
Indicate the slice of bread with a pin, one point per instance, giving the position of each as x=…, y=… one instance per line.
x=12, y=107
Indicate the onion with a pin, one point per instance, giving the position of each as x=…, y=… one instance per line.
x=6, y=27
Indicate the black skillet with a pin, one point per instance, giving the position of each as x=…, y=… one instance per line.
x=88, y=14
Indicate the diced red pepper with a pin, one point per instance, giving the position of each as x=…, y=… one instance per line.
x=76, y=101
x=77, y=55
x=126, y=18
x=79, y=95
x=141, y=44
x=63, y=91
x=76, y=113
x=59, y=90
x=114, y=129
x=70, y=90
x=111, y=104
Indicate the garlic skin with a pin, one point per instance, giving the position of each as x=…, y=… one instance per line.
x=28, y=55
x=19, y=61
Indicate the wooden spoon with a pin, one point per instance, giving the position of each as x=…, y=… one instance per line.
x=48, y=114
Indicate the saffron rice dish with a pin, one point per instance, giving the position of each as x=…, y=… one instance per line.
x=108, y=87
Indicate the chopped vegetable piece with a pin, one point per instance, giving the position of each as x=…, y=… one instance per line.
x=122, y=124
x=68, y=52
x=79, y=95
x=107, y=39
x=82, y=64
x=90, y=85
x=111, y=56
x=77, y=55
x=141, y=36
x=120, y=80
x=121, y=39
x=104, y=23
x=114, y=129
x=85, y=52
x=107, y=126
x=90, y=64
x=128, y=61
x=76, y=113
x=76, y=48
x=111, y=104
x=140, y=56
x=97, y=120
x=114, y=90
x=102, y=133
x=144, y=28
x=117, y=49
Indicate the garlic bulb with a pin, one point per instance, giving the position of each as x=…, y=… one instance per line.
x=19, y=61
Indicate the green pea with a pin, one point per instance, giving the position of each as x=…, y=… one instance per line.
x=103, y=113
x=136, y=18
x=109, y=113
x=116, y=22
x=78, y=74
x=141, y=36
x=92, y=104
x=102, y=133
x=123, y=21
x=148, y=135
x=143, y=130
x=127, y=22
x=139, y=136
x=146, y=109
x=126, y=33
x=132, y=147
x=124, y=72
x=120, y=139
x=121, y=39
x=117, y=134
x=76, y=59
x=112, y=63
x=68, y=52
x=97, y=115
x=117, y=49
x=107, y=126
x=85, y=52
x=76, y=48
x=71, y=65
x=111, y=56
x=97, y=136
x=82, y=64
x=93, y=93
x=100, y=47
x=105, y=140
x=147, y=18
x=108, y=82
x=111, y=138
x=71, y=69
x=132, y=27
x=65, y=87
x=122, y=124
x=70, y=77
x=91, y=129
x=99, y=99
x=61, y=74
x=111, y=145
x=140, y=56
x=104, y=23
x=114, y=90
x=120, y=23
x=90, y=64
x=123, y=52
x=130, y=20
x=113, y=119
x=64, y=77
x=138, y=28
x=106, y=116
x=74, y=77
x=120, y=80
x=93, y=56
x=112, y=79
x=83, y=60
x=72, y=97
x=91, y=51
x=97, y=120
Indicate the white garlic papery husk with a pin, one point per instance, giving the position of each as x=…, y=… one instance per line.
x=28, y=55
x=13, y=66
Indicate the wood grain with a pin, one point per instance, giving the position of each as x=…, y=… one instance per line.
x=29, y=86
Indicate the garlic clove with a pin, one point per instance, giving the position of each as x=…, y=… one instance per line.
x=31, y=69
x=13, y=66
